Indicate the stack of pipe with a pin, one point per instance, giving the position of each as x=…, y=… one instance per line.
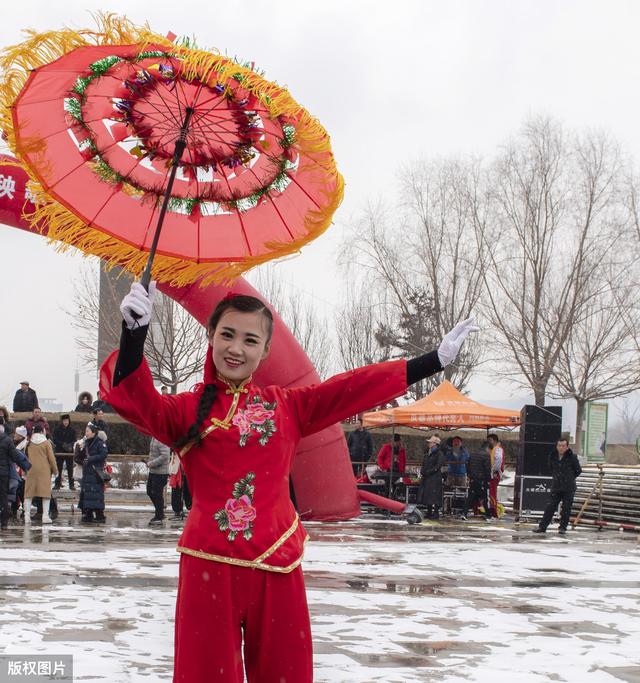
x=615, y=502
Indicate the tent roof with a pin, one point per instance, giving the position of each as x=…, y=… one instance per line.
x=444, y=407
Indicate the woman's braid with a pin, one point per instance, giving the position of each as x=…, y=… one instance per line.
x=204, y=408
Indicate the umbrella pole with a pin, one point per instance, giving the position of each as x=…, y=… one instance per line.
x=178, y=151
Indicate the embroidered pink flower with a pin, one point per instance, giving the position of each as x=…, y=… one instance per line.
x=241, y=421
x=240, y=513
x=258, y=414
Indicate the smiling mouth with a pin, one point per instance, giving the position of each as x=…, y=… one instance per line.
x=233, y=362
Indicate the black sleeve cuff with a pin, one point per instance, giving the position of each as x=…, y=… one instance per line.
x=131, y=352
x=423, y=367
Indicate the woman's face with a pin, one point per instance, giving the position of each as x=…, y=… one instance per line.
x=239, y=343
x=88, y=433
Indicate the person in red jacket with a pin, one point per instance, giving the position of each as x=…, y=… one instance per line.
x=395, y=451
x=241, y=601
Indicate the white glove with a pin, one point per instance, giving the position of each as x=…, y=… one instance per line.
x=450, y=345
x=140, y=302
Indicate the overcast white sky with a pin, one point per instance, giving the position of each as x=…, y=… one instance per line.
x=390, y=81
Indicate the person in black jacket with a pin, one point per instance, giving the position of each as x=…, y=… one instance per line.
x=430, y=492
x=64, y=436
x=25, y=399
x=99, y=404
x=85, y=399
x=479, y=473
x=98, y=421
x=8, y=455
x=94, y=457
x=565, y=468
x=360, y=445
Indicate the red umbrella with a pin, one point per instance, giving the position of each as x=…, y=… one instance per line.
x=125, y=132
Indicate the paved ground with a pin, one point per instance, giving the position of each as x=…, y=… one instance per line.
x=390, y=602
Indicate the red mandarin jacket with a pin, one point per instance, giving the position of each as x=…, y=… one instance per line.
x=239, y=476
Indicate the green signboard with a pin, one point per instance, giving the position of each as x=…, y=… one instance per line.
x=595, y=432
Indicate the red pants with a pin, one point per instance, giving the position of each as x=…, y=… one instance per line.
x=219, y=604
x=493, y=496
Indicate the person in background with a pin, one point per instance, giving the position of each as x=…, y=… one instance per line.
x=99, y=404
x=38, y=481
x=430, y=492
x=164, y=390
x=37, y=418
x=565, y=469
x=4, y=414
x=85, y=399
x=360, y=444
x=180, y=494
x=25, y=399
x=9, y=458
x=64, y=436
x=457, y=457
x=479, y=471
x=395, y=452
x=158, y=464
x=21, y=442
x=94, y=457
x=98, y=420
x=497, y=468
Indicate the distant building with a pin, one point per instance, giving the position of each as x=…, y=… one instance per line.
x=50, y=405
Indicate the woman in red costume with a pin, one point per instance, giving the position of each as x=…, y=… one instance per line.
x=241, y=596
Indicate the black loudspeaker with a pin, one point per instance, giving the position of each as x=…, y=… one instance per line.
x=540, y=429
x=533, y=458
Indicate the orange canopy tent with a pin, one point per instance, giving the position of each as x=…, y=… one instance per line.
x=443, y=408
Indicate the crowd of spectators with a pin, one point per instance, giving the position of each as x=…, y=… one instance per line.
x=32, y=453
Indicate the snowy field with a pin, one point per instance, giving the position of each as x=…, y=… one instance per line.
x=389, y=602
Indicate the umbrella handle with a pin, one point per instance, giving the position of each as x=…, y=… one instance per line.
x=178, y=151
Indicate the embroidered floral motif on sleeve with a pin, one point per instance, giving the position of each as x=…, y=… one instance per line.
x=238, y=513
x=257, y=416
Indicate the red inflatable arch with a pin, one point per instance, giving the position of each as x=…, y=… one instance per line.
x=322, y=477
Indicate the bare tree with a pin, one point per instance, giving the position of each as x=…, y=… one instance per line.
x=87, y=317
x=442, y=199
x=176, y=343
x=598, y=361
x=627, y=429
x=425, y=249
x=554, y=217
x=301, y=317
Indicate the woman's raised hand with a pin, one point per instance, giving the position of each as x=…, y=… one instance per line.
x=137, y=305
x=452, y=341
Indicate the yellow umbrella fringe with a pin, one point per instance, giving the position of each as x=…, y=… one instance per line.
x=67, y=230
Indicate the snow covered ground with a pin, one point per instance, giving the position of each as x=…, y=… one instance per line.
x=389, y=602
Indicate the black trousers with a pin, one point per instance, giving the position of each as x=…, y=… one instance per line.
x=557, y=497
x=477, y=494
x=181, y=497
x=155, y=491
x=357, y=467
x=63, y=461
x=4, y=501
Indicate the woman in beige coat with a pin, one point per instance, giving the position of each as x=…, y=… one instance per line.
x=38, y=481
